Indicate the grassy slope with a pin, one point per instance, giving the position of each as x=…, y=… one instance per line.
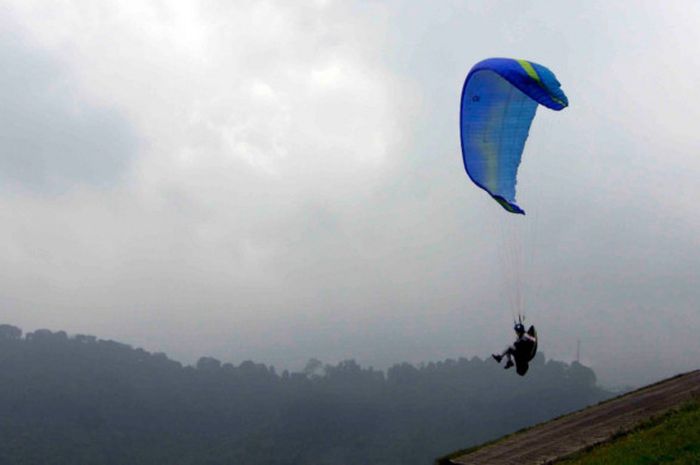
x=673, y=438
x=693, y=460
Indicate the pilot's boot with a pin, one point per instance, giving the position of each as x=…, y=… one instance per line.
x=497, y=357
x=509, y=364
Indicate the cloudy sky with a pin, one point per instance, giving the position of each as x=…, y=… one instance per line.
x=283, y=180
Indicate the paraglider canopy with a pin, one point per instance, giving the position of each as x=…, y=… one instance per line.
x=499, y=100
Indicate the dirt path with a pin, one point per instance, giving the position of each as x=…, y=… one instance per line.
x=547, y=442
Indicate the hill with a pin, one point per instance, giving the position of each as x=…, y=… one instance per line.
x=82, y=400
x=673, y=438
x=552, y=441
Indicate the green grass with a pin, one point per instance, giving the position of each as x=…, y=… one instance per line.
x=690, y=449
x=672, y=439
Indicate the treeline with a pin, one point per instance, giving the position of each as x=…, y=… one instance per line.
x=81, y=400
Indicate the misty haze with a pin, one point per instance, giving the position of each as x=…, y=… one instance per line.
x=255, y=217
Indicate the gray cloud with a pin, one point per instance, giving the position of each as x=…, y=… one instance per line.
x=300, y=191
x=50, y=138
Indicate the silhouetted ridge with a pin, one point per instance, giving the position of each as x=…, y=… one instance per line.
x=82, y=400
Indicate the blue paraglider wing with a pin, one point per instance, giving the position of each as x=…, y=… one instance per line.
x=499, y=101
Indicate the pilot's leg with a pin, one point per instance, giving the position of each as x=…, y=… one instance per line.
x=509, y=352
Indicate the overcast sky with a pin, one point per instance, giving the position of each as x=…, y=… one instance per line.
x=283, y=180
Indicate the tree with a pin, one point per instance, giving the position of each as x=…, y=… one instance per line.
x=10, y=332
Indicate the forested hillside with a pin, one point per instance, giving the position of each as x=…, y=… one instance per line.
x=81, y=400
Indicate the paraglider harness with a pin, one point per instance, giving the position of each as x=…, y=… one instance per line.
x=525, y=347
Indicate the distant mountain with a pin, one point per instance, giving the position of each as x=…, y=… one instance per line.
x=82, y=400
